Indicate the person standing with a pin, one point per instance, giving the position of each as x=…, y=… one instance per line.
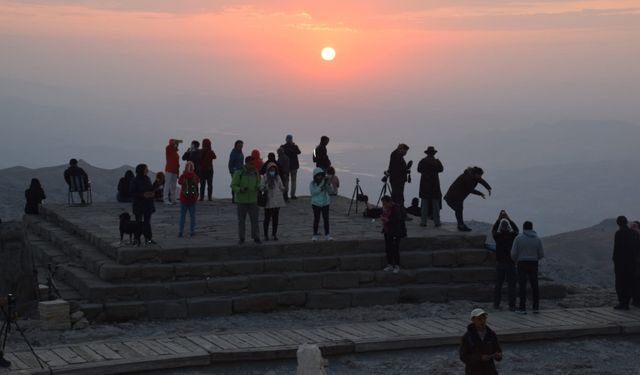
x=480, y=347
x=257, y=160
x=188, y=197
x=626, y=246
x=123, y=187
x=245, y=185
x=206, y=169
x=77, y=179
x=464, y=185
x=292, y=151
x=430, y=194
x=158, y=187
x=236, y=162
x=194, y=155
x=319, y=188
x=504, y=232
x=284, y=165
x=320, y=156
x=394, y=229
x=171, y=171
x=34, y=196
x=635, y=299
x=272, y=184
x=142, y=192
x=333, y=180
x=526, y=252
x=398, y=173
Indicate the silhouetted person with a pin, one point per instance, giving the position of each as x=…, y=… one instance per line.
x=415, y=208
x=236, y=162
x=123, y=187
x=34, y=196
x=394, y=229
x=626, y=246
x=143, y=197
x=635, y=299
x=480, y=347
x=245, y=185
x=504, y=232
x=430, y=168
x=320, y=156
x=398, y=173
x=464, y=185
x=77, y=178
x=194, y=155
x=292, y=151
x=526, y=252
x=171, y=170
x=285, y=171
x=206, y=169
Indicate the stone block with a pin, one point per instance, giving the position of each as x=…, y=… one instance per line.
x=175, y=309
x=152, y=292
x=157, y=271
x=390, y=278
x=204, y=307
x=188, y=289
x=305, y=281
x=111, y=272
x=130, y=256
x=292, y=298
x=328, y=299
x=263, y=283
x=243, y=267
x=227, y=284
x=123, y=311
x=367, y=277
x=433, y=276
x=255, y=303
x=340, y=280
x=320, y=264
x=416, y=259
x=374, y=296
x=172, y=255
x=422, y=293
x=54, y=314
x=475, y=274
x=190, y=270
x=465, y=257
x=283, y=265
x=361, y=262
x=472, y=292
x=444, y=258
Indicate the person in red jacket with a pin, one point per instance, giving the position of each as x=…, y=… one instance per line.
x=171, y=171
x=206, y=168
x=257, y=160
x=188, y=198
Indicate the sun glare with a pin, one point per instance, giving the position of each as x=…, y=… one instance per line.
x=328, y=54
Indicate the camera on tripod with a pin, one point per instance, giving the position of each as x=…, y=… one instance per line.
x=385, y=178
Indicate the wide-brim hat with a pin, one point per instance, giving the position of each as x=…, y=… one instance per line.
x=430, y=150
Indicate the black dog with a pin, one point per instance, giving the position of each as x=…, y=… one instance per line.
x=132, y=228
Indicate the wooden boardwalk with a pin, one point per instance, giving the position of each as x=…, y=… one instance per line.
x=147, y=354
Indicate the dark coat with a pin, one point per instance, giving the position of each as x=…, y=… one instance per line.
x=472, y=348
x=396, y=225
x=397, y=167
x=626, y=247
x=78, y=175
x=123, y=189
x=142, y=205
x=292, y=151
x=34, y=197
x=320, y=157
x=195, y=157
x=207, y=156
x=464, y=185
x=236, y=160
x=504, y=242
x=429, y=169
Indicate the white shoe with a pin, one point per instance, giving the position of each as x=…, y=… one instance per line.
x=396, y=269
x=388, y=268
x=328, y=237
x=315, y=238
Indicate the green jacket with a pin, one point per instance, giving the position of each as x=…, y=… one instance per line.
x=245, y=185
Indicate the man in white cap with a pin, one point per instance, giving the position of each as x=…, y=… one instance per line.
x=480, y=348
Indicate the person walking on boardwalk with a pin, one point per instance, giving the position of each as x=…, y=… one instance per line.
x=626, y=246
x=398, y=173
x=394, y=229
x=143, y=207
x=272, y=184
x=292, y=151
x=206, y=169
x=245, y=185
x=430, y=194
x=188, y=197
x=34, y=196
x=526, y=252
x=320, y=156
x=171, y=171
x=480, y=348
x=236, y=162
x=464, y=185
x=284, y=165
x=320, y=188
x=504, y=232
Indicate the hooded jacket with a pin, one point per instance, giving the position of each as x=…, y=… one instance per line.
x=245, y=185
x=207, y=158
x=320, y=192
x=274, y=189
x=186, y=176
x=172, y=158
x=464, y=185
x=472, y=348
x=504, y=241
x=257, y=160
x=527, y=247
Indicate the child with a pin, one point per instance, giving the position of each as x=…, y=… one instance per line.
x=158, y=187
x=333, y=180
x=320, y=189
x=188, y=197
x=393, y=229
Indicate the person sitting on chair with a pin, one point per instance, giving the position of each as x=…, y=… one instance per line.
x=77, y=179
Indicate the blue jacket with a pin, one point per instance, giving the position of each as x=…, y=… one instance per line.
x=527, y=247
x=236, y=160
x=320, y=192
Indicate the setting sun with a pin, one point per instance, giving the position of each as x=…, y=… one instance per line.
x=328, y=54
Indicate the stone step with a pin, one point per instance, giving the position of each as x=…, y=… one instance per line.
x=198, y=307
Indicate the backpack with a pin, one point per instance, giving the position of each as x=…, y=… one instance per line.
x=190, y=188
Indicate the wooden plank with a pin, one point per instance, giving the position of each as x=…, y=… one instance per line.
x=171, y=344
x=430, y=326
x=237, y=342
x=69, y=355
x=299, y=338
x=251, y=340
x=398, y=331
x=616, y=315
x=204, y=344
x=123, y=350
x=88, y=354
x=447, y=325
x=51, y=358
x=16, y=363
x=371, y=330
x=311, y=334
x=285, y=340
x=572, y=319
x=158, y=348
x=182, y=341
x=594, y=319
x=353, y=331
x=339, y=334
x=267, y=338
x=406, y=330
x=140, y=348
x=28, y=359
x=104, y=351
x=220, y=341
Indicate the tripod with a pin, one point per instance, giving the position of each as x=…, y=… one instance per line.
x=6, y=330
x=386, y=188
x=358, y=196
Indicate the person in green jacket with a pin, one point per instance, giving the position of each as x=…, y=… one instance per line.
x=245, y=185
x=320, y=188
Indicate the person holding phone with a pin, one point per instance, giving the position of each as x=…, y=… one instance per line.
x=480, y=347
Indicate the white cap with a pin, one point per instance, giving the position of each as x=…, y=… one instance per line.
x=477, y=312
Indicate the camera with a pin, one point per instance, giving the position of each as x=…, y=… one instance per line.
x=385, y=178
